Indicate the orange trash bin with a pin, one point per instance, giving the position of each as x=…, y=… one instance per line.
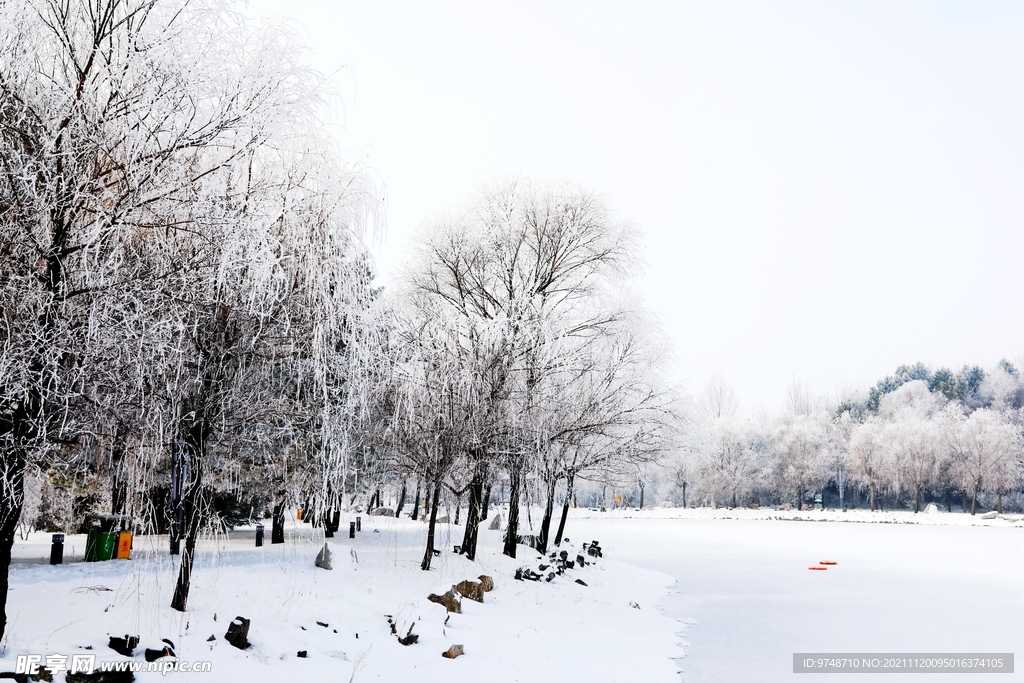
x=124, y=545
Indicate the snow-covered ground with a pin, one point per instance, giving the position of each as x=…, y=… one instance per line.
x=732, y=586
x=524, y=631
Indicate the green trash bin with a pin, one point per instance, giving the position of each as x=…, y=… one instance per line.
x=101, y=540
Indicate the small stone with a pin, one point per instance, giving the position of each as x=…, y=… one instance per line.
x=301, y=653
x=238, y=633
x=634, y=605
x=470, y=589
x=448, y=599
x=153, y=655
x=453, y=652
x=124, y=646
x=581, y=582
x=320, y=623
x=323, y=558
x=211, y=639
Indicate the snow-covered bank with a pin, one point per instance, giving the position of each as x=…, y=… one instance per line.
x=770, y=513
x=524, y=631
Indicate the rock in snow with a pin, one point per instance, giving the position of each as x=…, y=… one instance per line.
x=450, y=602
x=238, y=633
x=453, y=652
x=495, y=524
x=323, y=558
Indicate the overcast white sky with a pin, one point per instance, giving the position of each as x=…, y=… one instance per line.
x=827, y=189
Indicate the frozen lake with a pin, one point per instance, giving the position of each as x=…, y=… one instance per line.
x=896, y=588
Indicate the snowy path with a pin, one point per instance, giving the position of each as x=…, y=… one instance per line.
x=897, y=588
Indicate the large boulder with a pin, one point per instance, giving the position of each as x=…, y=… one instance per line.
x=495, y=524
x=383, y=512
x=486, y=583
x=931, y=509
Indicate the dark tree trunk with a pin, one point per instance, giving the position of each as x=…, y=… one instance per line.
x=917, y=499
x=570, y=481
x=684, y=494
x=191, y=448
x=458, y=507
x=401, y=502
x=429, y=554
x=513, y=512
x=118, y=484
x=949, y=500
x=10, y=512
x=416, y=502
x=476, y=499
x=642, y=499
x=974, y=498
x=999, y=501
x=963, y=500
x=487, y=502
x=549, y=508
x=277, y=531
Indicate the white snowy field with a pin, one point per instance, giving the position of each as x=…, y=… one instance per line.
x=734, y=584
x=920, y=583
x=524, y=631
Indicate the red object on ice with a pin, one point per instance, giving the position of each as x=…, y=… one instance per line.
x=818, y=569
x=829, y=562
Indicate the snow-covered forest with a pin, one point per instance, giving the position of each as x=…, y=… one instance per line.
x=918, y=436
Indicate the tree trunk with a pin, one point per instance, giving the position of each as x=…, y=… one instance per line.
x=684, y=494
x=963, y=500
x=974, y=498
x=429, y=554
x=10, y=512
x=486, y=502
x=917, y=499
x=999, y=499
x=549, y=508
x=192, y=449
x=416, y=502
x=401, y=502
x=570, y=480
x=642, y=497
x=118, y=483
x=476, y=500
x=871, y=496
x=513, y=513
x=733, y=499
x=949, y=500
x=458, y=507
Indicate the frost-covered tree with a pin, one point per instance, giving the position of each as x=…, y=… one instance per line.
x=168, y=191
x=982, y=445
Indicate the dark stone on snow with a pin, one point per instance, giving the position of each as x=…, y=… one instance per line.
x=551, y=577
x=238, y=633
x=153, y=655
x=320, y=623
x=323, y=558
x=301, y=653
x=124, y=646
x=211, y=639
x=580, y=561
x=564, y=555
x=581, y=582
x=543, y=567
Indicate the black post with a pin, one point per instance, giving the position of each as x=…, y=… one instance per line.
x=259, y=535
x=57, y=549
x=351, y=529
x=359, y=523
x=336, y=521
